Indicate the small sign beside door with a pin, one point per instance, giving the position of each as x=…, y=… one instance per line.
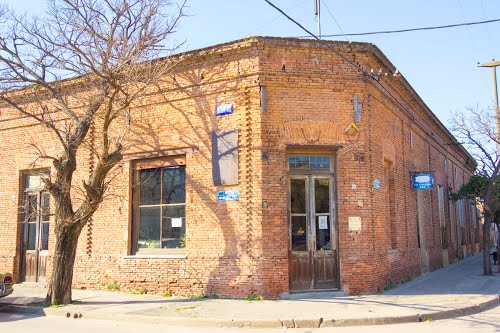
x=422, y=181
x=224, y=109
x=354, y=223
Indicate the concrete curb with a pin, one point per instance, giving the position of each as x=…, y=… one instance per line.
x=73, y=311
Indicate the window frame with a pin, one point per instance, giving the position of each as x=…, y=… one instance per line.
x=442, y=217
x=390, y=198
x=453, y=219
x=310, y=170
x=461, y=221
x=475, y=219
x=148, y=164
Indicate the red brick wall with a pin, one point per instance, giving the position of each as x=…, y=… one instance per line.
x=242, y=247
x=311, y=86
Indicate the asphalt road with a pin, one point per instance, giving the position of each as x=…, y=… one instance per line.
x=488, y=321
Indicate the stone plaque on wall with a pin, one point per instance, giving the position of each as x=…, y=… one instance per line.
x=354, y=223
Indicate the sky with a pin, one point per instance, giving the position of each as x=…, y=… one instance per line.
x=441, y=65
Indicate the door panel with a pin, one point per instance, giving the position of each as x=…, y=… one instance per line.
x=324, y=270
x=424, y=255
x=301, y=275
x=325, y=276
x=31, y=263
x=313, y=255
x=300, y=268
x=42, y=266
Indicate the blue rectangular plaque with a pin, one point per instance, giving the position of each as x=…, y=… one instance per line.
x=422, y=181
x=224, y=109
x=228, y=195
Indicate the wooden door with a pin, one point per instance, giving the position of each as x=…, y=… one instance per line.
x=424, y=255
x=35, y=236
x=313, y=239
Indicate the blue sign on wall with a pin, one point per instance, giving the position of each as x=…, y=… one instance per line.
x=422, y=181
x=228, y=195
x=223, y=109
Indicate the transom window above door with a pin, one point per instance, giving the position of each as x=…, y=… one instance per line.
x=309, y=162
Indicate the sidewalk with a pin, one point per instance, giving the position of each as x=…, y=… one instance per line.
x=457, y=290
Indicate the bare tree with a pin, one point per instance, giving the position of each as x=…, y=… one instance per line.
x=79, y=68
x=476, y=129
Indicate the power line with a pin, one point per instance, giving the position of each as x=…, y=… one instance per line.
x=357, y=66
x=410, y=29
x=273, y=19
x=335, y=20
x=320, y=40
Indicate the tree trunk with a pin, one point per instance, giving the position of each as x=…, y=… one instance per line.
x=63, y=262
x=498, y=247
x=486, y=244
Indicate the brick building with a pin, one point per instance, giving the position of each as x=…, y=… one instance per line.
x=265, y=166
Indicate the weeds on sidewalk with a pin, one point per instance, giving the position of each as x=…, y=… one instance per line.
x=254, y=298
x=390, y=285
x=45, y=305
x=55, y=305
x=113, y=286
x=407, y=279
x=186, y=308
x=137, y=291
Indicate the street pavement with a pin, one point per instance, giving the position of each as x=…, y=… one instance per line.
x=458, y=290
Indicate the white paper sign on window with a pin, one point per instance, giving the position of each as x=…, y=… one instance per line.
x=177, y=222
x=323, y=222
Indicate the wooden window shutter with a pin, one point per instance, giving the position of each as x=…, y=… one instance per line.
x=225, y=157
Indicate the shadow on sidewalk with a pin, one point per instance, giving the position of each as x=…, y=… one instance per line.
x=99, y=300
x=493, y=323
x=8, y=315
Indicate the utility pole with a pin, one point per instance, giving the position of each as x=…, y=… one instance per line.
x=317, y=12
x=494, y=64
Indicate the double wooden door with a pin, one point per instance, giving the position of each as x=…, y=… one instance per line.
x=313, y=235
x=35, y=236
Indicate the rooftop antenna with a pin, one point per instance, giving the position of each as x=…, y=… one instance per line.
x=317, y=13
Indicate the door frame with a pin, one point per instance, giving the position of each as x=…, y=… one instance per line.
x=309, y=175
x=38, y=252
